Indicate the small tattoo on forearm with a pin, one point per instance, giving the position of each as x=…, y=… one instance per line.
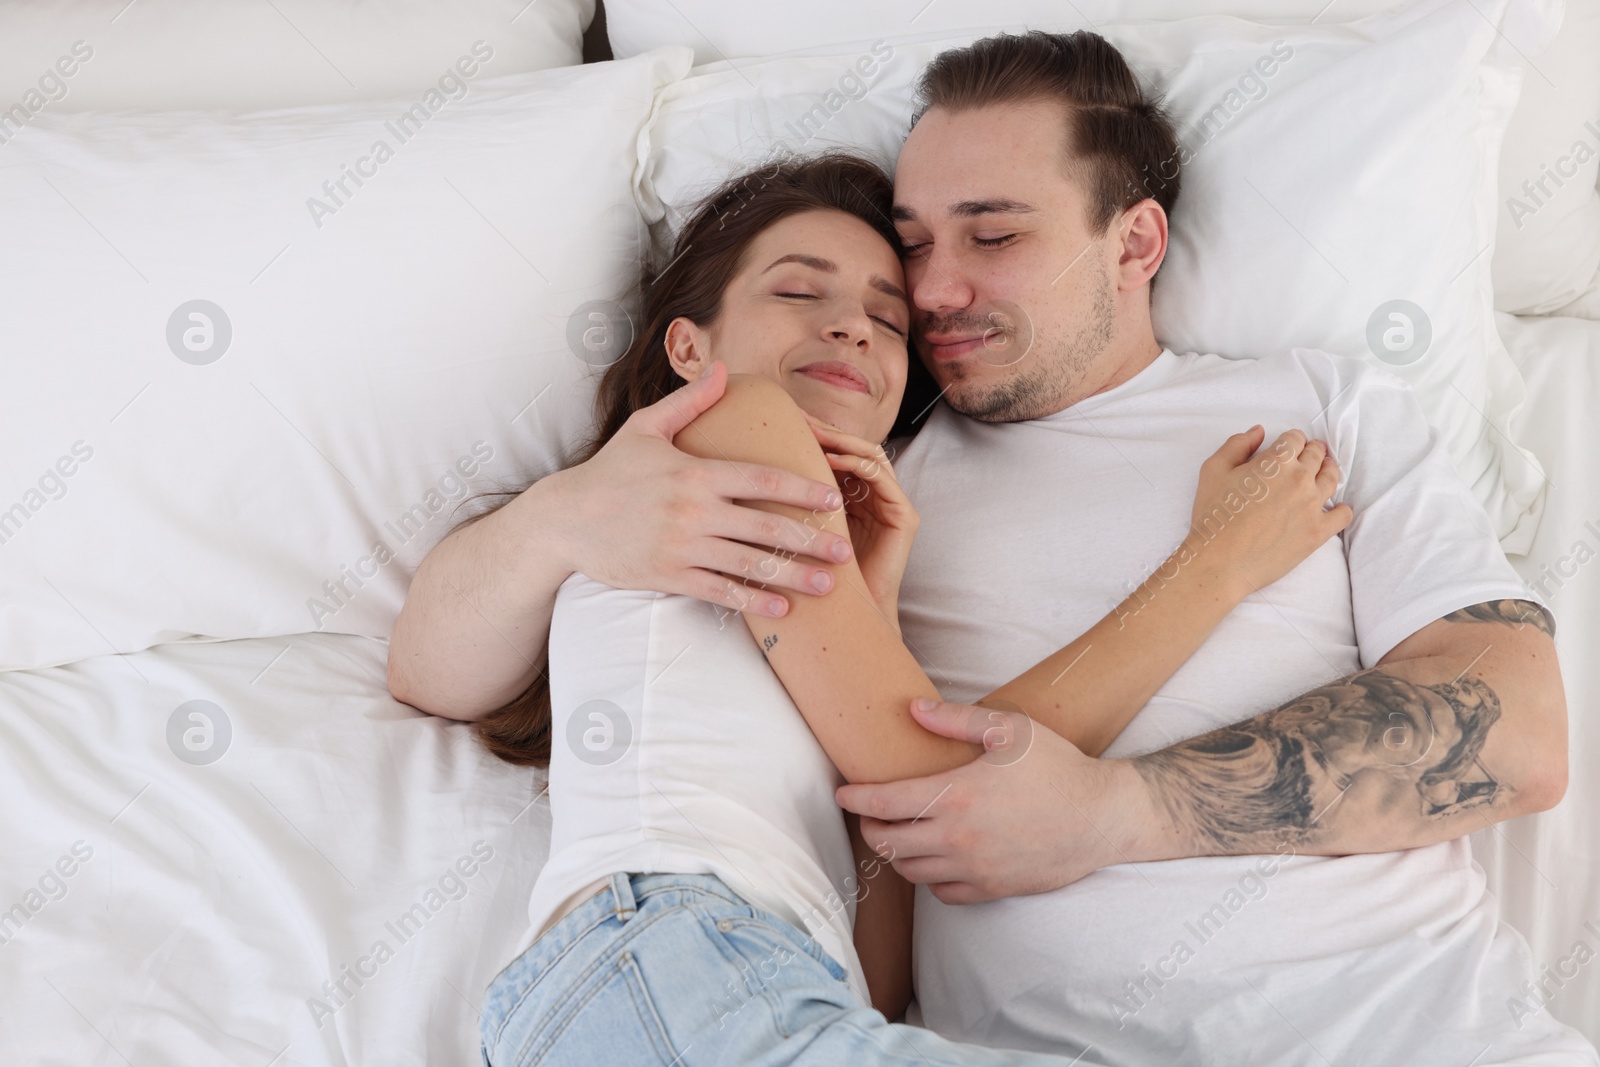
x=1515, y=613
x=768, y=641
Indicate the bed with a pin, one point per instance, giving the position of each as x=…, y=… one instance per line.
x=224, y=841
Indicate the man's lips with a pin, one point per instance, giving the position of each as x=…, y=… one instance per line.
x=835, y=372
x=948, y=348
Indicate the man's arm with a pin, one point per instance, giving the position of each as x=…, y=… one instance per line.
x=640, y=514
x=1460, y=726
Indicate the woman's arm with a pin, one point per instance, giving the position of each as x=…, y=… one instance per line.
x=841, y=660
x=1256, y=517
x=851, y=676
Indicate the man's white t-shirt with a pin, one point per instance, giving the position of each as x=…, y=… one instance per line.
x=1030, y=533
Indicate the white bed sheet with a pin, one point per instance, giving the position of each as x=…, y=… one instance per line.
x=218, y=898
x=1546, y=869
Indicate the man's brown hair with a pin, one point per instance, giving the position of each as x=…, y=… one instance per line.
x=1120, y=144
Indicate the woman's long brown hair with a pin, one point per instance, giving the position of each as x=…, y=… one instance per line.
x=706, y=256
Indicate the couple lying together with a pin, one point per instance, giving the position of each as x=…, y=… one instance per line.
x=715, y=620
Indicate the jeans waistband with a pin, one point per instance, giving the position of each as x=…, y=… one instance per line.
x=626, y=892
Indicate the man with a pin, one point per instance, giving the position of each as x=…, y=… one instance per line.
x=1404, y=690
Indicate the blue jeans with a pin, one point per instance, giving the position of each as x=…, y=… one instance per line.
x=676, y=970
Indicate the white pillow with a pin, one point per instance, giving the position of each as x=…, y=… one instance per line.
x=733, y=29
x=379, y=352
x=1587, y=303
x=1548, y=247
x=246, y=54
x=1370, y=153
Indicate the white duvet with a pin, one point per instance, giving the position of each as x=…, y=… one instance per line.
x=337, y=888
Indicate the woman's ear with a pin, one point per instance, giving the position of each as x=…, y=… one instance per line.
x=688, y=348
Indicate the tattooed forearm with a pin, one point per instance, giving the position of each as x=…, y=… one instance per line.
x=1509, y=613
x=1250, y=786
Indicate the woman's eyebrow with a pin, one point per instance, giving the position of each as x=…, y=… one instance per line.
x=827, y=266
x=884, y=285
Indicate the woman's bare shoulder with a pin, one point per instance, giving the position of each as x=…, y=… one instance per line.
x=757, y=421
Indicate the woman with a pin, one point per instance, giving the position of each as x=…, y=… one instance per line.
x=704, y=901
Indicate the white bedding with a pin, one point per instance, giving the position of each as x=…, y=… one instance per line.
x=216, y=899
x=219, y=897
x=1544, y=868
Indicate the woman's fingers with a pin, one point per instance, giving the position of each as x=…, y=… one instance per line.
x=873, y=470
x=1312, y=455
x=1327, y=477
x=1289, y=445
x=1239, y=447
x=837, y=440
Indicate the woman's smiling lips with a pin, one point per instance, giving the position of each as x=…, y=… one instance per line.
x=838, y=373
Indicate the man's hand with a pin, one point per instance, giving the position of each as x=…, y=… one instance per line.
x=641, y=514
x=1460, y=726
x=1031, y=814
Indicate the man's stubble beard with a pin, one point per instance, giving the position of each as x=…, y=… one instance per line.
x=1046, y=377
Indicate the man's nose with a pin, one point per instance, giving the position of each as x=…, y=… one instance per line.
x=938, y=284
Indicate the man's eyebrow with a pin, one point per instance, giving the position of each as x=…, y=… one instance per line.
x=967, y=209
x=828, y=266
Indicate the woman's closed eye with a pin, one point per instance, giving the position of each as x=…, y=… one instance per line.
x=896, y=330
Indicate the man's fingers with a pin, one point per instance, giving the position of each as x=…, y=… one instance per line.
x=1000, y=730
x=781, y=570
x=735, y=596
x=769, y=535
x=903, y=840
x=1338, y=517
x=736, y=480
x=890, y=801
x=669, y=415
x=921, y=870
x=957, y=893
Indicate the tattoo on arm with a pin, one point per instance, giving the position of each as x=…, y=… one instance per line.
x=1514, y=613
x=1247, y=787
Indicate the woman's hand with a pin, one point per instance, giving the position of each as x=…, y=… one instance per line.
x=881, y=519
x=1258, y=515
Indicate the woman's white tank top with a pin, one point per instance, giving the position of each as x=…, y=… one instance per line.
x=675, y=749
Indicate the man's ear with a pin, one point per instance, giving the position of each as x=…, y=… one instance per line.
x=1143, y=228
x=688, y=348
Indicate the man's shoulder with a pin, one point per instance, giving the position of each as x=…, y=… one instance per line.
x=1325, y=379
x=1314, y=363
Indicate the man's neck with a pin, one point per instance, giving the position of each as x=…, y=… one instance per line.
x=1118, y=363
